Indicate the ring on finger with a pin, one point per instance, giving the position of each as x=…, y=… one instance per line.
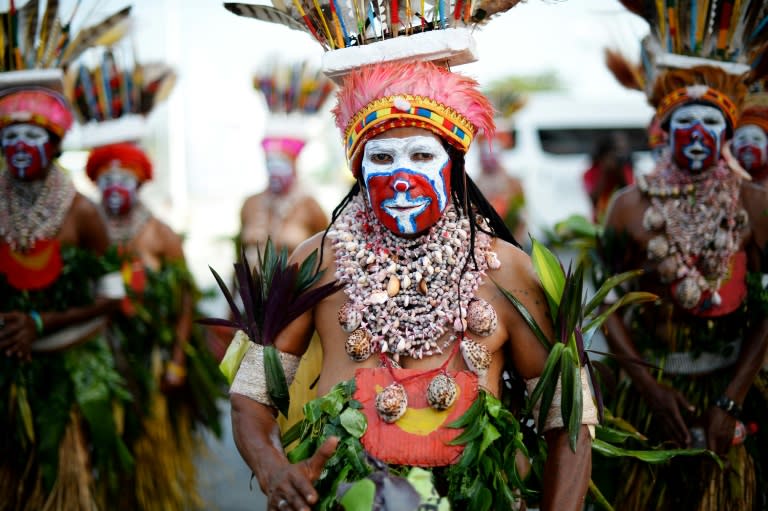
x=282, y=503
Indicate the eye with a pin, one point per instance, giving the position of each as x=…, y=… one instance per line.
x=711, y=121
x=422, y=156
x=381, y=158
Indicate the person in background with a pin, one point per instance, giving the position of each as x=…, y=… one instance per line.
x=750, y=140
x=610, y=171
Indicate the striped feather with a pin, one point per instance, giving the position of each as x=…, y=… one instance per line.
x=92, y=35
x=266, y=13
x=29, y=14
x=46, y=28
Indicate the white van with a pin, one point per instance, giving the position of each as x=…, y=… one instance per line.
x=554, y=137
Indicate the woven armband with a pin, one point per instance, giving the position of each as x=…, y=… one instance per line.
x=555, y=415
x=251, y=380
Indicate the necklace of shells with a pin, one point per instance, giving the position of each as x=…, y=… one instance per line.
x=34, y=210
x=124, y=228
x=404, y=295
x=698, y=221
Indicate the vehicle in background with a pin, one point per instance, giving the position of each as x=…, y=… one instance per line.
x=551, y=147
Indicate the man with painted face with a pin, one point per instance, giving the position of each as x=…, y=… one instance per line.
x=175, y=380
x=51, y=317
x=750, y=140
x=698, y=229
x=419, y=333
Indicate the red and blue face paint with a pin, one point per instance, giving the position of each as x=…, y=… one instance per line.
x=118, y=190
x=696, y=135
x=750, y=146
x=408, y=181
x=28, y=150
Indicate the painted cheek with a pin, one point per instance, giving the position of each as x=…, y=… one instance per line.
x=751, y=157
x=409, y=188
x=684, y=137
x=25, y=161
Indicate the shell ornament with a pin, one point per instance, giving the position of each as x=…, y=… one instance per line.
x=391, y=403
x=476, y=356
x=358, y=345
x=442, y=392
x=481, y=318
x=349, y=318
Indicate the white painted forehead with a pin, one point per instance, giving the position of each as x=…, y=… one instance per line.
x=697, y=110
x=27, y=126
x=400, y=144
x=115, y=171
x=751, y=130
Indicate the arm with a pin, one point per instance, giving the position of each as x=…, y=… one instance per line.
x=318, y=218
x=566, y=472
x=257, y=435
x=20, y=329
x=666, y=402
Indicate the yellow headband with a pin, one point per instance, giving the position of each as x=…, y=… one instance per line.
x=683, y=95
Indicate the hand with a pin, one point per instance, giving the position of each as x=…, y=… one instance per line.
x=16, y=334
x=720, y=427
x=667, y=405
x=291, y=487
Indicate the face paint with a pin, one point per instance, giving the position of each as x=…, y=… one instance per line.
x=28, y=150
x=750, y=146
x=696, y=134
x=281, y=173
x=407, y=181
x=118, y=190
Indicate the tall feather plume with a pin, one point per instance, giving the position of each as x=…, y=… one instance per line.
x=29, y=13
x=91, y=36
x=46, y=28
x=626, y=73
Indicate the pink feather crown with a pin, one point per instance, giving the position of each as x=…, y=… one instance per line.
x=376, y=98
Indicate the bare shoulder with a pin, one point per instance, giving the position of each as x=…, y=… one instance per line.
x=89, y=224
x=315, y=243
x=84, y=208
x=516, y=269
x=172, y=243
x=625, y=201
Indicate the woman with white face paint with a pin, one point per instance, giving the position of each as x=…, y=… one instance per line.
x=165, y=354
x=750, y=140
x=53, y=312
x=419, y=252
x=696, y=225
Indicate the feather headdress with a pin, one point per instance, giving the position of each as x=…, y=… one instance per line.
x=294, y=94
x=376, y=98
x=756, y=105
x=700, y=51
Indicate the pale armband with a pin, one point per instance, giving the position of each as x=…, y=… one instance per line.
x=111, y=285
x=251, y=380
x=555, y=416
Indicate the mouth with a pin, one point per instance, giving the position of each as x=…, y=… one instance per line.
x=400, y=205
x=21, y=160
x=697, y=152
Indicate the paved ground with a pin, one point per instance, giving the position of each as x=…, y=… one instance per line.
x=224, y=477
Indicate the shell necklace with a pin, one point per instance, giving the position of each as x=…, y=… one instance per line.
x=124, y=228
x=403, y=292
x=34, y=210
x=699, y=221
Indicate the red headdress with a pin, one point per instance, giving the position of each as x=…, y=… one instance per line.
x=124, y=155
x=43, y=107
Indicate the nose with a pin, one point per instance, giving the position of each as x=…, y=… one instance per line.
x=401, y=186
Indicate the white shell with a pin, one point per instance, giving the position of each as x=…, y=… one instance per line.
x=658, y=247
x=391, y=402
x=653, y=220
x=349, y=317
x=667, y=270
x=442, y=392
x=688, y=293
x=378, y=297
x=481, y=317
x=393, y=286
x=493, y=260
x=476, y=356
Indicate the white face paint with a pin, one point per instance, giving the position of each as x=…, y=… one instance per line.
x=118, y=190
x=696, y=133
x=406, y=181
x=24, y=146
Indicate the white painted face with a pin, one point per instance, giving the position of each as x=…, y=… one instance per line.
x=118, y=190
x=407, y=181
x=27, y=149
x=696, y=134
x=750, y=145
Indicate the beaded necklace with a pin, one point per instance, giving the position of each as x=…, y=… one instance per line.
x=34, y=210
x=124, y=228
x=403, y=292
x=699, y=219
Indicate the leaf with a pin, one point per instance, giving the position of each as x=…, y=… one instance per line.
x=529, y=319
x=613, y=436
x=277, y=387
x=25, y=411
x=234, y=356
x=566, y=380
x=606, y=288
x=574, y=424
x=359, y=496
x=650, y=456
x=550, y=274
x=627, y=299
x=552, y=365
x=598, y=496
x=471, y=415
x=490, y=435
x=470, y=433
x=570, y=305
x=354, y=422
x=549, y=385
x=225, y=291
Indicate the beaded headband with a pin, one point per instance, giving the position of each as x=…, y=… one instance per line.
x=756, y=116
x=408, y=111
x=43, y=107
x=696, y=94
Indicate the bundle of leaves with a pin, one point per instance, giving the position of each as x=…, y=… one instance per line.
x=273, y=295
